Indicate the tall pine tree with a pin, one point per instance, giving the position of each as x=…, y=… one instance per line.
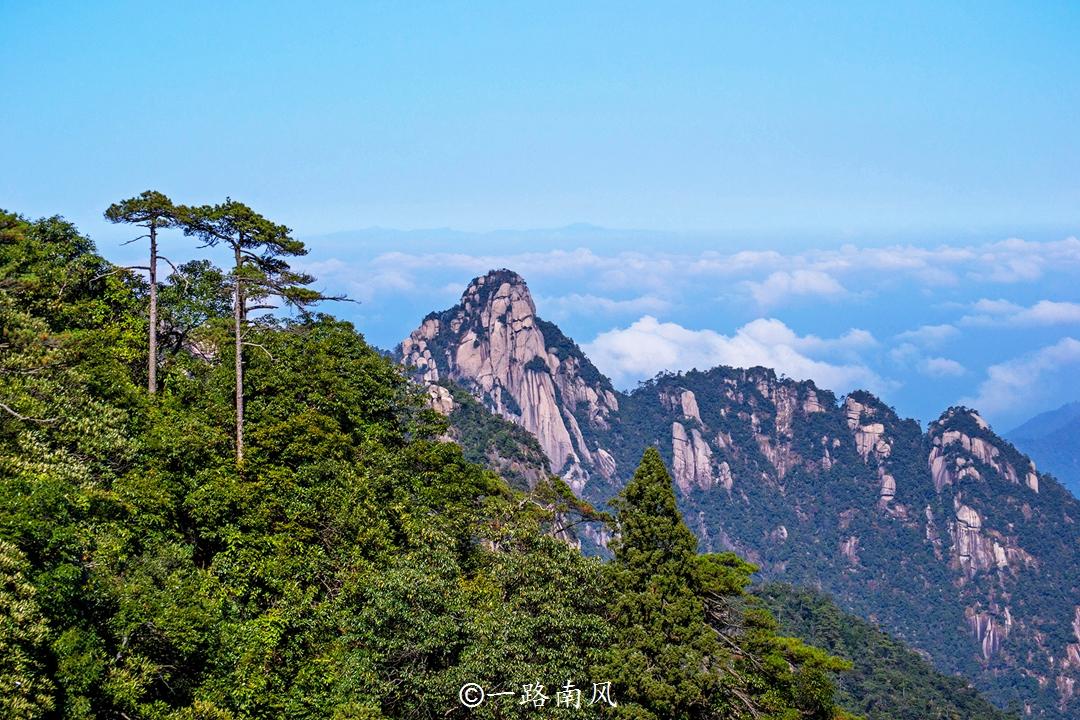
x=154, y=212
x=690, y=644
x=260, y=272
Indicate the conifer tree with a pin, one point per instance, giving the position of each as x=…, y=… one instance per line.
x=259, y=273
x=154, y=211
x=664, y=650
x=689, y=642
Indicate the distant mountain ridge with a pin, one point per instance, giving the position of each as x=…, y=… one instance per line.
x=1053, y=440
x=1048, y=422
x=949, y=539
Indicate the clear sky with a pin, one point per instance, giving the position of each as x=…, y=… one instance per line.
x=787, y=116
x=884, y=153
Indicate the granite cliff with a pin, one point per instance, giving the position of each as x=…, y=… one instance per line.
x=521, y=368
x=950, y=538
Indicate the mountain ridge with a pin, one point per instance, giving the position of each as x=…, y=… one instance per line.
x=949, y=538
x=1051, y=438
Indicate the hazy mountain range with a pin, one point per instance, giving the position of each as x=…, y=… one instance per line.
x=1053, y=440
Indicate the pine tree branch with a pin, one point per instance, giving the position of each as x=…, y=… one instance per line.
x=175, y=271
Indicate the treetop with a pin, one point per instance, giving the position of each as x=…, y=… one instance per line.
x=149, y=206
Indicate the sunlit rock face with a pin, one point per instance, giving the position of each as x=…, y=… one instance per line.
x=956, y=452
x=946, y=536
x=493, y=344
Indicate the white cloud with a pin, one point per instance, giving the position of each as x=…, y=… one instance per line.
x=1048, y=312
x=649, y=346
x=996, y=307
x=929, y=335
x=342, y=276
x=768, y=277
x=781, y=285
x=1042, y=313
x=1015, y=385
x=904, y=354
x=575, y=303
x=739, y=263
x=939, y=367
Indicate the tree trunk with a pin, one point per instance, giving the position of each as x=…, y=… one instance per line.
x=238, y=314
x=151, y=382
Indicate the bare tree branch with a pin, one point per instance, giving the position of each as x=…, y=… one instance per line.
x=13, y=413
x=118, y=270
x=251, y=344
x=176, y=272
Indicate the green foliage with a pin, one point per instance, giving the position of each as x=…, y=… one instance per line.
x=357, y=566
x=260, y=273
x=26, y=691
x=888, y=681
x=197, y=294
x=689, y=642
x=664, y=653
x=259, y=247
x=148, y=209
x=536, y=364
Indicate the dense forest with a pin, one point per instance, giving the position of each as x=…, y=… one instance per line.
x=210, y=510
x=888, y=680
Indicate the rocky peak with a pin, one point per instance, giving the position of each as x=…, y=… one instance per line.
x=870, y=422
x=521, y=368
x=964, y=446
x=969, y=459
x=866, y=416
x=707, y=411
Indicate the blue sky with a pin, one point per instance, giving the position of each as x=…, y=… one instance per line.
x=884, y=155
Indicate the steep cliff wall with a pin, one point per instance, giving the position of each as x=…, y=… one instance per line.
x=493, y=344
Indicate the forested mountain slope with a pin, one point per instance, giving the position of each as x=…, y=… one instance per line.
x=949, y=539
x=888, y=680
x=350, y=564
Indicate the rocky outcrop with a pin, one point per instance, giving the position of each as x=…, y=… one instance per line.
x=962, y=442
x=865, y=419
x=754, y=405
x=493, y=344
x=849, y=549
x=989, y=630
x=975, y=550
x=1072, y=650
x=682, y=402
x=440, y=399
x=692, y=458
